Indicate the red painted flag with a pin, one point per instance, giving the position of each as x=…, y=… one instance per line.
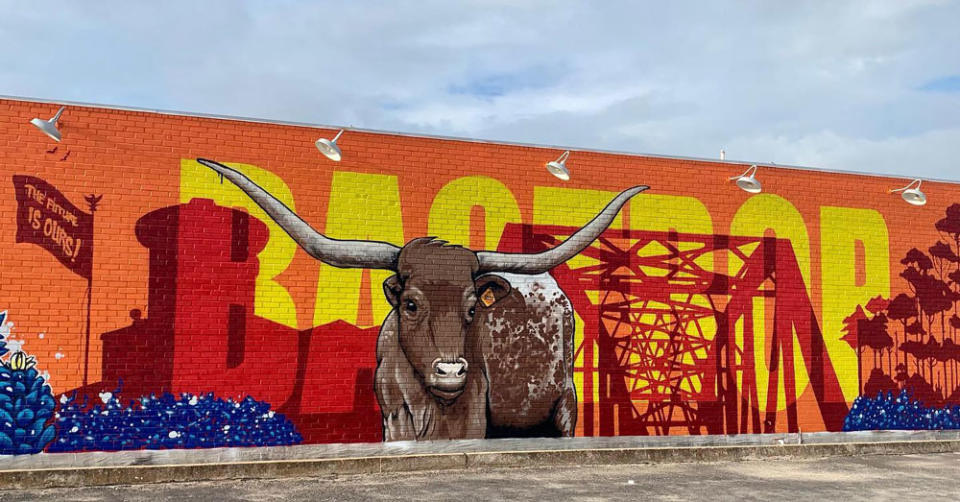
x=46, y=218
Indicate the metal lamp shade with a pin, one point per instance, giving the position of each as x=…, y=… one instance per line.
x=914, y=196
x=558, y=167
x=911, y=193
x=749, y=184
x=49, y=127
x=748, y=181
x=329, y=148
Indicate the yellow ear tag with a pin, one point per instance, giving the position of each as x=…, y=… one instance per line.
x=488, y=298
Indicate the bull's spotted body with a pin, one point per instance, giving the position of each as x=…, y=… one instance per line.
x=524, y=346
x=527, y=345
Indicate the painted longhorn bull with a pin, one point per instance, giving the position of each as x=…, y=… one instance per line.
x=478, y=344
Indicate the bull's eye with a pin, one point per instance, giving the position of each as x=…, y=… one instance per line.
x=410, y=306
x=468, y=317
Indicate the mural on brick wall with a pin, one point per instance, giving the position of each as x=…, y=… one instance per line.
x=190, y=303
x=478, y=344
x=32, y=421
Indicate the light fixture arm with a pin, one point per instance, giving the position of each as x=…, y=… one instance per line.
x=917, y=181
x=335, y=138
x=746, y=173
x=563, y=157
x=56, y=117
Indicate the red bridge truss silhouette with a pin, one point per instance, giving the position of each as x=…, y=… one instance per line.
x=660, y=335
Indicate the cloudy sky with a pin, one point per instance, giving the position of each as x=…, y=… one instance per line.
x=850, y=85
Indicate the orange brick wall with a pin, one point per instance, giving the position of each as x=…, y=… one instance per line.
x=136, y=161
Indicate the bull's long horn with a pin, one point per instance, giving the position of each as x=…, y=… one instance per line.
x=339, y=253
x=537, y=263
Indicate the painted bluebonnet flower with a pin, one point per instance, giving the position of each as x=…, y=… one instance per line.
x=900, y=412
x=4, y=331
x=166, y=421
x=26, y=402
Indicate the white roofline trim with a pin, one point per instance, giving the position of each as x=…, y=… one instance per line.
x=468, y=140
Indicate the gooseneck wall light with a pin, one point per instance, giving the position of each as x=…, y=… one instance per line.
x=748, y=181
x=912, y=194
x=558, y=167
x=49, y=127
x=329, y=147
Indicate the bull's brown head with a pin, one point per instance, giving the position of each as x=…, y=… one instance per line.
x=438, y=289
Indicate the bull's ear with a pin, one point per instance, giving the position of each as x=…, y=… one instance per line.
x=491, y=289
x=392, y=289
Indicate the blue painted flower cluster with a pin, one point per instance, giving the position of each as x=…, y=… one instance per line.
x=26, y=405
x=162, y=422
x=26, y=402
x=4, y=329
x=901, y=412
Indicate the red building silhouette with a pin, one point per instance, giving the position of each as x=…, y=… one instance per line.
x=201, y=333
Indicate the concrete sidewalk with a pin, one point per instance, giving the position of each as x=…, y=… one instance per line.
x=867, y=477
x=158, y=466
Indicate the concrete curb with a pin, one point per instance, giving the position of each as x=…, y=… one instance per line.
x=142, y=474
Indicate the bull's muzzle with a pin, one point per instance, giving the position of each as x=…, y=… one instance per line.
x=448, y=379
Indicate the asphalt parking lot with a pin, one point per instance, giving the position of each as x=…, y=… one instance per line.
x=876, y=477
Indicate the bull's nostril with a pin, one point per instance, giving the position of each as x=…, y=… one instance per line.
x=452, y=369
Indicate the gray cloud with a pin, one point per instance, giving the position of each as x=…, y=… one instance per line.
x=842, y=85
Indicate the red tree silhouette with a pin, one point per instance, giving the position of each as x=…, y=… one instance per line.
x=933, y=283
x=902, y=308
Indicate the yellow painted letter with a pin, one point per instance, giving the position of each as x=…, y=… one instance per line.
x=450, y=212
x=840, y=229
x=272, y=300
x=757, y=215
x=663, y=213
x=362, y=206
